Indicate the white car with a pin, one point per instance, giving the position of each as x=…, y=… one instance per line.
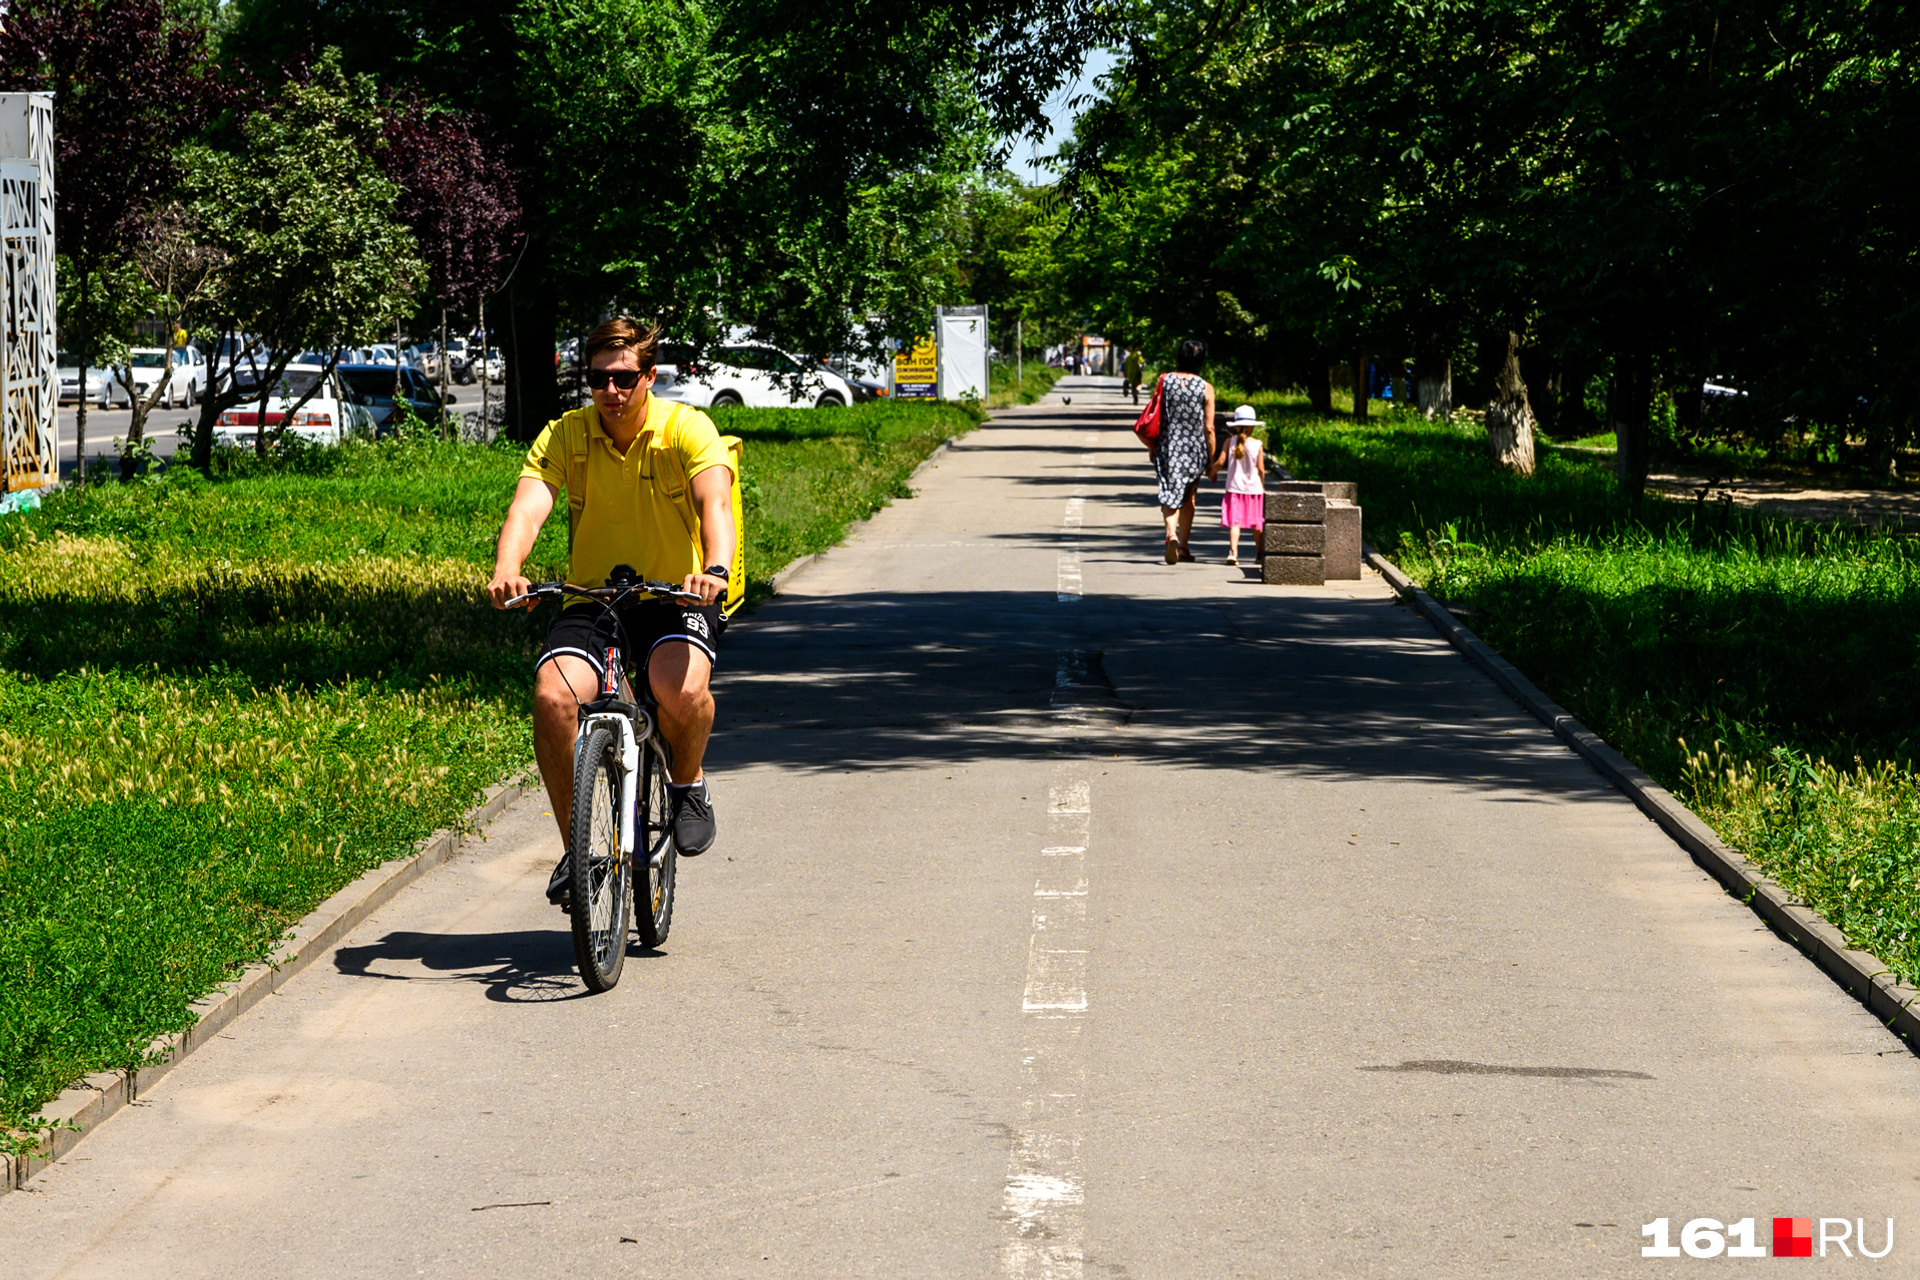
x=103, y=389
x=328, y=418
x=186, y=382
x=748, y=373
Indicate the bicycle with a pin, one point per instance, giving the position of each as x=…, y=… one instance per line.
x=621, y=765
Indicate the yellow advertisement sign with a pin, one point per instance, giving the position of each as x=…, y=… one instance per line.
x=916, y=373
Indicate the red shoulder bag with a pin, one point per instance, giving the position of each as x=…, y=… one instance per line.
x=1147, y=425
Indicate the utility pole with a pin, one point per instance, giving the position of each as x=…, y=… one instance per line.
x=1019, y=359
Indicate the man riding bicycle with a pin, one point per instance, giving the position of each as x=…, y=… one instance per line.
x=649, y=485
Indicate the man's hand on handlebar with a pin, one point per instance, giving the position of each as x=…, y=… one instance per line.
x=707, y=587
x=508, y=586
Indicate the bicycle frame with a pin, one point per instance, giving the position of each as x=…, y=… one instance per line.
x=632, y=719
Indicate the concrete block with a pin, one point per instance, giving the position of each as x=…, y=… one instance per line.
x=1294, y=486
x=1295, y=539
x=1295, y=508
x=1341, y=541
x=1293, y=571
x=1341, y=491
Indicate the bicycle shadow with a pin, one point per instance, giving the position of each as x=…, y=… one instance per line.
x=527, y=966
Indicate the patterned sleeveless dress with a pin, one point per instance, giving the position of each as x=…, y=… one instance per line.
x=1181, y=457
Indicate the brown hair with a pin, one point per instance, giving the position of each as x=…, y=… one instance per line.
x=622, y=333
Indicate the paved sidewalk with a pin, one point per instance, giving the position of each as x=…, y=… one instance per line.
x=1073, y=915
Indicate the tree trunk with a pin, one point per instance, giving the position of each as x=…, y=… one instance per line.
x=1320, y=383
x=1433, y=379
x=446, y=373
x=486, y=399
x=1629, y=399
x=139, y=407
x=210, y=403
x=1509, y=416
x=1362, y=385
x=1542, y=375
x=533, y=391
x=80, y=405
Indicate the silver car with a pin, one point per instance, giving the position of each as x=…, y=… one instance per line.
x=103, y=389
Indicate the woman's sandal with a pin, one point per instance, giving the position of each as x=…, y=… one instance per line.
x=1186, y=556
x=1173, y=551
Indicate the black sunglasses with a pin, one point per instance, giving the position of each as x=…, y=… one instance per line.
x=625, y=379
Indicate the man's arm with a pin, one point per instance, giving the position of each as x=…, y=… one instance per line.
x=532, y=504
x=713, y=495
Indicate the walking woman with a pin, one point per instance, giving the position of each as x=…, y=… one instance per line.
x=1185, y=445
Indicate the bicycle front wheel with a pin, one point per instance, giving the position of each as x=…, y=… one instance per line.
x=653, y=906
x=602, y=882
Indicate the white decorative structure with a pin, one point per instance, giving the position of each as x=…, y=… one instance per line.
x=29, y=386
x=961, y=334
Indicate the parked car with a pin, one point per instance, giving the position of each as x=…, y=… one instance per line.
x=748, y=373
x=866, y=384
x=496, y=366
x=103, y=389
x=370, y=386
x=329, y=417
x=186, y=380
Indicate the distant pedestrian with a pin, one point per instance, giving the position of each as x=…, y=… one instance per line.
x=1185, y=446
x=1130, y=373
x=1244, y=504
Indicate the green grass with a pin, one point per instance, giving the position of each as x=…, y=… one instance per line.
x=222, y=701
x=1764, y=670
x=1036, y=379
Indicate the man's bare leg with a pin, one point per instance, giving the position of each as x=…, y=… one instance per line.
x=679, y=673
x=559, y=687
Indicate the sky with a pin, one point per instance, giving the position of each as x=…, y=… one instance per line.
x=1025, y=155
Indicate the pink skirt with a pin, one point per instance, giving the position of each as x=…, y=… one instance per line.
x=1243, y=510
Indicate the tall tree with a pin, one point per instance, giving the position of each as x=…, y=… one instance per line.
x=712, y=162
x=303, y=219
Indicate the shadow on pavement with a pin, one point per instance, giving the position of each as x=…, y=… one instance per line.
x=528, y=966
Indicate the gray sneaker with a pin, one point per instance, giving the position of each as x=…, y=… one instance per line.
x=692, y=818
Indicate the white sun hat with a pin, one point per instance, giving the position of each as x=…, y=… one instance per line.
x=1244, y=416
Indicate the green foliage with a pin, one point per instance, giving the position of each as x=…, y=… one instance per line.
x=1844, y=841
x=304, y=218
x=223, y=699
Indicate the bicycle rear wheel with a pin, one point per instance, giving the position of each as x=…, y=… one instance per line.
x=653, y=905
x=602, y=883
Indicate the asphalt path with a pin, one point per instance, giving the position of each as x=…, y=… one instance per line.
x=1073, y=915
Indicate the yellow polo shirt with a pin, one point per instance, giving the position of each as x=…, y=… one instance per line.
x=638, y=506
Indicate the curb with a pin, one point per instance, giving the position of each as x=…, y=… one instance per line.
x=1859, y=973
x=83, y=1107
x=795, y=568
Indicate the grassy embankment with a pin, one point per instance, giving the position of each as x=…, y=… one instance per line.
x=220, y=702
x=1765, y=671
x=1036, y=379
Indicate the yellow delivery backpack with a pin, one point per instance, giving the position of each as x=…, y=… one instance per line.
x=736, y=572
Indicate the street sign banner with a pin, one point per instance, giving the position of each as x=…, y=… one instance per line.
x=916, y=372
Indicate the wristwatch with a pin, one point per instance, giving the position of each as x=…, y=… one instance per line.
x=717, y=571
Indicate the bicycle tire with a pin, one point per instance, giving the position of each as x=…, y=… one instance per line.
x=653, y=907
x=602, y=880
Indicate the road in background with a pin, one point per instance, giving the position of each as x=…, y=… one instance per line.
x=1072, y=915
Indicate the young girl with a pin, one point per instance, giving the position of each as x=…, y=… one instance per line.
x=1244, y=505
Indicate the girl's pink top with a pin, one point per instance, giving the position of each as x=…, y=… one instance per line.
x=1243, y=474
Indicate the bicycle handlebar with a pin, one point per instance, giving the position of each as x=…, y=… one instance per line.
x=610, y=595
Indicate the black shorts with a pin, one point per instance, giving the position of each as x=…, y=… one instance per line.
x=585, y=631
